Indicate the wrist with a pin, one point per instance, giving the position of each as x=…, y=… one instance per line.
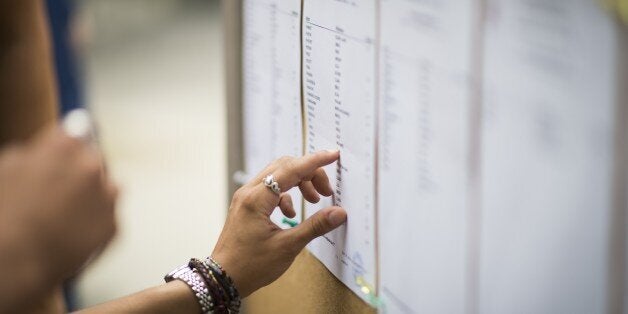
x=182, y=297
x=213, y=289
x=233, y=267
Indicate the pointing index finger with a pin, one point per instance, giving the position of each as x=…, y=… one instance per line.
x=290, y=174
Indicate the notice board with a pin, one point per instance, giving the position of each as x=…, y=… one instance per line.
x=505, y=106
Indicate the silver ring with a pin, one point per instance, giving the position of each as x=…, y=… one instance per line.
x=270, y=182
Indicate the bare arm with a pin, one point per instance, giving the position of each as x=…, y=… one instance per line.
x=27, y=87
x=174, y=297
x=251, y=249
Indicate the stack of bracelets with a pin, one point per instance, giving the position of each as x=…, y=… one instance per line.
x=211, y=285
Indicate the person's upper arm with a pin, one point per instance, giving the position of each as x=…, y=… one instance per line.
x=27, y=87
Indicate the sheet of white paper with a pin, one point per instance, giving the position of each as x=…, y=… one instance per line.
x=339, y=85
x=425, y=60
x=272, y=90
x=547, y=157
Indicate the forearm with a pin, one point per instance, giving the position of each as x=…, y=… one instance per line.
x=173, y=297
x=27, y=87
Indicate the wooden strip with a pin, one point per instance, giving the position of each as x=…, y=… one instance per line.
x=307, y=287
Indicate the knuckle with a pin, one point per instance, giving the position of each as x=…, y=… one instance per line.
x=244, y=197
x=66, y=143
x=113, y=226
x=107, y=225
x=112, y=230
x=284, y=160
x=320, y=172
x=317, y=226
x=291, y=164
x=237, y=195
x=292, y=172
x=248, y=200
x=113, y=192
x=92, y=168
x=314, y=157
x=287, y=202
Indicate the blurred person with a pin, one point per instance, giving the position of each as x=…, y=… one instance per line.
x=56, y=210
x=57, y=204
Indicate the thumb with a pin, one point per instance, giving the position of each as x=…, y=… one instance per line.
x=323, y=221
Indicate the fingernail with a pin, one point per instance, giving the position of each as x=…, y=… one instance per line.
x=333, y=150
x=336, y=217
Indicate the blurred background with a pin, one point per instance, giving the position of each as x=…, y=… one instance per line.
x=151, y=71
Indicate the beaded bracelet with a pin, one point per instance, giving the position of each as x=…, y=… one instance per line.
x=226, y=281
x=217, y=291
x=211, y=285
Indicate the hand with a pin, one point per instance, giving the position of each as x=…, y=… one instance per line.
x=57, y=206
x=251, y=248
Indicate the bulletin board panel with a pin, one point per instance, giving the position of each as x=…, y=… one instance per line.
x=307, y=286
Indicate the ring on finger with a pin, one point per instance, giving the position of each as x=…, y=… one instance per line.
x=270, y=182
